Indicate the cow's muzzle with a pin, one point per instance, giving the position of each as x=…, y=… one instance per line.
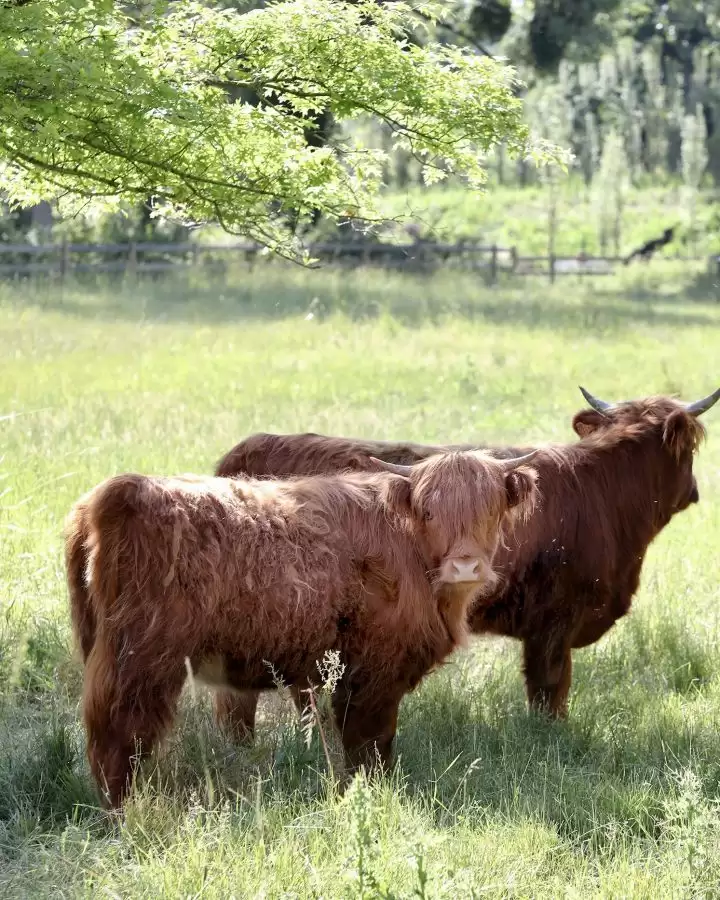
x=466, y=569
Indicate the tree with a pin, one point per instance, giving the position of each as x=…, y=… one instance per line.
x=95, y=112
x=694, y=160
x=553, y=120
x=544, y=32
x=609, y=189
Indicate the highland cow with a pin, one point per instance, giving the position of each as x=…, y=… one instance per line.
x=241, y=580
x=570, y=572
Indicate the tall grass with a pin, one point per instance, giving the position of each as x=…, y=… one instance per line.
x=517, y=216
x=486, y=800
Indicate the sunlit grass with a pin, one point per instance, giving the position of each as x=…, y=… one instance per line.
x=518, y=216
x=164, y=377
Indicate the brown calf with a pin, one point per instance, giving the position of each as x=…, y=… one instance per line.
x=241, y=579
x=571, y=571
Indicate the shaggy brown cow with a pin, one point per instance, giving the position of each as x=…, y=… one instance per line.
x=571, y=571
x=242, y=579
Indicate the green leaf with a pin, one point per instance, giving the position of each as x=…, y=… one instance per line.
x=103, y=110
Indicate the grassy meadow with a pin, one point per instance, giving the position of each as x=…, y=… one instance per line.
x=518, y=216
x=486, y=800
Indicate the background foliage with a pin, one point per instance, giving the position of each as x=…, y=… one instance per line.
x=635, y=86
x=220, y=115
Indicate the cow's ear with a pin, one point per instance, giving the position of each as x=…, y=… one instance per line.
x=682, y=433
x=397, y=494
x=521, y=488
x=589, y=420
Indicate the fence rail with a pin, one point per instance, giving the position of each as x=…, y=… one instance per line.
x=150, y=256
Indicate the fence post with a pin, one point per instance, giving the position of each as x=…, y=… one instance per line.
x=64, y=259
x=493, y=264
x=551, y=272
x=513, y=258
x=194, y=254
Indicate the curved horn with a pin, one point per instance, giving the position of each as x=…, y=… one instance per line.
x=519, y=460
x=395, y=468
x=600, y=406
x=700, y=406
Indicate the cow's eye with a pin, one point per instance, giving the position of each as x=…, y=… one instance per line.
x=427, y=515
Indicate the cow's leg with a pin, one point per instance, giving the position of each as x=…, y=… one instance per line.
x=125, y=714
x=300, y=699
x=548, y=675
x=367, y=732
x=591, y=631
x=235, y=712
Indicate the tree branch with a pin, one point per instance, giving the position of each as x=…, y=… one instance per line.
x=456, y=32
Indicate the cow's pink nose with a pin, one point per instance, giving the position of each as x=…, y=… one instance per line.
x=466, y=568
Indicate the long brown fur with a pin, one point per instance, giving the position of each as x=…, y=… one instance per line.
x=249, y=579
x=279, y=455
x=571, y=570
x=82, y=613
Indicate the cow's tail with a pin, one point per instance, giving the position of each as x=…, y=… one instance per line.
x=112, y=518
x=99, y=538
x=82, y=613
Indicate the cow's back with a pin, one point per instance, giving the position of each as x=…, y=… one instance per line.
x=283, y=455
x=255, y=567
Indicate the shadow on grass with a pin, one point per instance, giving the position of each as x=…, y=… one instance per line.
x=639, y=714
x=705, y=288
x=275, y=292
x=466, y=745
x=588, y=775
x=701, y=289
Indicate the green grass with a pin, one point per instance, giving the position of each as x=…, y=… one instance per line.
x=516, y=216
x=487, y=801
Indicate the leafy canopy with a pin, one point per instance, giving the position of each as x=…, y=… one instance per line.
x=99, y=110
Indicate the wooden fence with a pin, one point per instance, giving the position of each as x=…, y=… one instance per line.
x=61, y=260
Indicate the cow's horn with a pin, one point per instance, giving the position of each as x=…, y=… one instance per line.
x=519, y=460
x=396, y=468
x=600, y=406
x=700, y=406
